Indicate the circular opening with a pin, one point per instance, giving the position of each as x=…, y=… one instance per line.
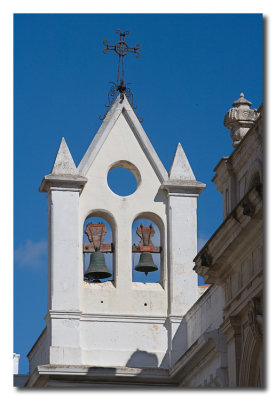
x=121, y=181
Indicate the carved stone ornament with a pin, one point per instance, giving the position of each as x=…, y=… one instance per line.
x=206, y=259
x=240, y=119
x=248, y=208
x=255, y=318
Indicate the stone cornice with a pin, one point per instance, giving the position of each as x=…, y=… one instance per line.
x=56, y=314
x=86, y=375
x=62, y=182
x=212, y=262
x=223, y=170
x=184, y=188
x=83, y=316
x=124, y=318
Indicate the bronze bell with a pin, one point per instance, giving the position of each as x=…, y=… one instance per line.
x=97, y=268
x=146, y=263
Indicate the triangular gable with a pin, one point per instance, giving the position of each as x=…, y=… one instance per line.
x=122, y=106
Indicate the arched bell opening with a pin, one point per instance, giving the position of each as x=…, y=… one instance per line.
x=147, y=254
x=98, y=248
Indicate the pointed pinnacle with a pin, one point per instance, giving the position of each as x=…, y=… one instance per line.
x=64, y=163
x=180, y=168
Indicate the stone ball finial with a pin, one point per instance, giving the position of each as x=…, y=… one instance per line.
x=240, y=119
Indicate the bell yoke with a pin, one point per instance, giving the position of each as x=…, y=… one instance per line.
x=98, y=269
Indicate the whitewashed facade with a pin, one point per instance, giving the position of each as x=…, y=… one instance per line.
x=118, y=323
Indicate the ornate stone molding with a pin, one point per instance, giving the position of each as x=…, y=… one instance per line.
x=206, y=258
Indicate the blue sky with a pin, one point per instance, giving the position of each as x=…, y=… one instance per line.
x=192, y=67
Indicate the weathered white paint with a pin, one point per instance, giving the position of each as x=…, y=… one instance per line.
x=119, y=323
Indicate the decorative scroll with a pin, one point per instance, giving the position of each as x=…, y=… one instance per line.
x=95, y=234
x=145, y=245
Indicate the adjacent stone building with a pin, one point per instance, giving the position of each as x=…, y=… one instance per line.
x=125, y=333
x=232, y=261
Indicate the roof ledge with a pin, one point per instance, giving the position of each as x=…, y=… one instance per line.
x=184, y=188
x=62, y=182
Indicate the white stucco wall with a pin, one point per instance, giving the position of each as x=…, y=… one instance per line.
x=183, y=247
x=122, y=145
x=206, y=315
x=119, y=323
x=64, y=249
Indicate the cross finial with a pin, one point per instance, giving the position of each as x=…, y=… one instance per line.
x=122, y=49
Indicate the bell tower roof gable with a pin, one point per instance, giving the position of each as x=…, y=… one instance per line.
x=122, y=106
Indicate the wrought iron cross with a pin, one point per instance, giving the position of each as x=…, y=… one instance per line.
x=121, y=48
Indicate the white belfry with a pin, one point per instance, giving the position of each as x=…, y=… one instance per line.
x=118, y=323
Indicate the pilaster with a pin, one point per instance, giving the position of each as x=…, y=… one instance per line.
x=231, y=327
x=63, y=248
x=182, y=191
x=63, y=187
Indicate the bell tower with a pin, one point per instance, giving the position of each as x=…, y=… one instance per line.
x=118, y=322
